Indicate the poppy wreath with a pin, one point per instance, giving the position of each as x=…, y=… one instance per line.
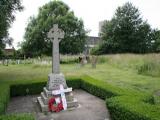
x=53, y=106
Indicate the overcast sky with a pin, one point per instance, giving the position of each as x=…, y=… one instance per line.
x=90, y=11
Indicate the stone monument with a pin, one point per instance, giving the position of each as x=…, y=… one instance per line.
x=56, y=79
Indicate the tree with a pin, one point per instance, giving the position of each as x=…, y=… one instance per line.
x=156, y=41
x=7, y=9
x=126, y=32
x=36, y=41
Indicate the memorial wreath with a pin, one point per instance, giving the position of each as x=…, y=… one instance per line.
x=53, y=106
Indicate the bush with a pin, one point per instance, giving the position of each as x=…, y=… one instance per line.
x=74, y=82
x=123, y=104
x=22, y=89
x=69, y=61
x=17, y=117
x=2, y=108
x=98, y=88
x=132, y=108
x=26, y=89
x=4, y=97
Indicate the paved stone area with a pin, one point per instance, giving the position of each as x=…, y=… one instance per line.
x=90, y=108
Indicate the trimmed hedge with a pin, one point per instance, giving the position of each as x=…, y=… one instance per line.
x=132, y=108
x=22, y=89
x=26, y=89
x=123, y=104
x=17, y=117
x=74, y=82
x=4, y=97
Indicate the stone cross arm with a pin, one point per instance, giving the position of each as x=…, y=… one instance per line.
x=55, y=33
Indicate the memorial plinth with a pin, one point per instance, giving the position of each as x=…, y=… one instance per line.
x=56, y=79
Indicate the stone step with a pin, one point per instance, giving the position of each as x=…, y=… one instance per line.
x=44, y=98
x=47, y=92
x=44, y=108
x=69, y=97
x=72, y=104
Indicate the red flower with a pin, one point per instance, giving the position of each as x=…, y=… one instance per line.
x=53, y=106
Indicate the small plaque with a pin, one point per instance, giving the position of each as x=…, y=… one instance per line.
x=55, y=80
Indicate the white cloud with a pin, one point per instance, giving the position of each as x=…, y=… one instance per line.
x=91, y=11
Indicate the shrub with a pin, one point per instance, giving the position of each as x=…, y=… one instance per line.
x=26, y=89
x=69, y=61
x=123, y=104
x=22, y=89
x=2, y=108
x=132, y=108
x=17, y=117
x=4, y=97
x=74, y=82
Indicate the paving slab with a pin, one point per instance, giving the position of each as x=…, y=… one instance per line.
x=90, y=108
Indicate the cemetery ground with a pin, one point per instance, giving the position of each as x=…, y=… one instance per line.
x=129, y=83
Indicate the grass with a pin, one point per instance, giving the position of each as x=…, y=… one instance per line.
x=17, y=117
x=126, y=71
x=121, y=70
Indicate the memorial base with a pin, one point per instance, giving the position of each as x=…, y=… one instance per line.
x=54, y=80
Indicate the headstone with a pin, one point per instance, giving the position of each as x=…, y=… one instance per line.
x=94, y=61
x=56, y=80
x=83, y=60
x=6, y=62
x=18, y=62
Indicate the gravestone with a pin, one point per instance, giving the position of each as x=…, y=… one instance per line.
x=94, y=61
x=56, y=78
x=83, y=60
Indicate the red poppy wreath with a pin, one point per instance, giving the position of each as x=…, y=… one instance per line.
x=53, y=106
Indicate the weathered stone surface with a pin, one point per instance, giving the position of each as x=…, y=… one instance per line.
x=69, y=97
x=55, y=34
x=46, y=95
x=91, y=108
x=54, y=80
x=43, y=107
x=49, y=93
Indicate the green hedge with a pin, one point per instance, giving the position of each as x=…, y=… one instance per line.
x=22, y=89
x=26, y=89
x=132, y=108
x=71, y=61
x=4, y=97
x=123, y=104
x=17, y=117
x=74, y=82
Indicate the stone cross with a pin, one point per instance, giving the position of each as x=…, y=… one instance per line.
x=55, y=34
